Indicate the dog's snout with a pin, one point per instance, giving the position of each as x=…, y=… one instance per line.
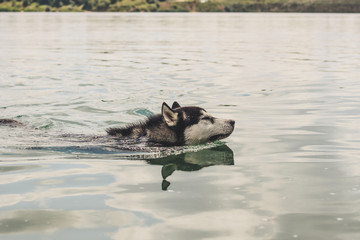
x=232, y=122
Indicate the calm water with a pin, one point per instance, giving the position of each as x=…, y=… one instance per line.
x=290, y=170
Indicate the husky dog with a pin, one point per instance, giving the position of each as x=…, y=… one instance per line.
x=177, y=126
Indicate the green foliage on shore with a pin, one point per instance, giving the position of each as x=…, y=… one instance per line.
x=352, y=6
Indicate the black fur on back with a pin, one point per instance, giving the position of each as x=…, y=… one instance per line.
x=11, y=123
x=127, y=130
x=123, y=131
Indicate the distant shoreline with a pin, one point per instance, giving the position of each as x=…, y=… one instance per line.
x=301, y=6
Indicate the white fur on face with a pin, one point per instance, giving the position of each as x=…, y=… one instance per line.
x=202, y=131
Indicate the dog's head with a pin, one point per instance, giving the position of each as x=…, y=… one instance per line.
x=195, y=124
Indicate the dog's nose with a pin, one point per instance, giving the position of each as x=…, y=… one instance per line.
x=232, y=122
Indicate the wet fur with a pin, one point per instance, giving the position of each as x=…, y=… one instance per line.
x=11, y=123
x=153, y=128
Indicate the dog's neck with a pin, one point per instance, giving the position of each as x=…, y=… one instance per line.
x=161, y=134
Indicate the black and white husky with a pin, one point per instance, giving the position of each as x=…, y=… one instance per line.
x=177, y=126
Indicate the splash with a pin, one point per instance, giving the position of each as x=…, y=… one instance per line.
x=108, y=147
x=144, y=151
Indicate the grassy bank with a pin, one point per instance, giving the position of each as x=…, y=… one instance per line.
x=351, y=6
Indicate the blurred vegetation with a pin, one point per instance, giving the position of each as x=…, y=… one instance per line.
x=182, y=5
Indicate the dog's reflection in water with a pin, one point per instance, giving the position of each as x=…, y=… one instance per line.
x=193, y=161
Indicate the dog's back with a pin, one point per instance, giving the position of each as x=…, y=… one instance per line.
x=11, y=123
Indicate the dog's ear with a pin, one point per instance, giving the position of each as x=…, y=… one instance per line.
x=175, y=105
x=169, y=115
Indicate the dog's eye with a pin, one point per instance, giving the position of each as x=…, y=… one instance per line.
x=208, y=119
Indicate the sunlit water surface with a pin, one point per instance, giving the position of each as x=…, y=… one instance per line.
x=290, y=170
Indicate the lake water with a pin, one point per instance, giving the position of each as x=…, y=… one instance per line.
x=290, y=170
